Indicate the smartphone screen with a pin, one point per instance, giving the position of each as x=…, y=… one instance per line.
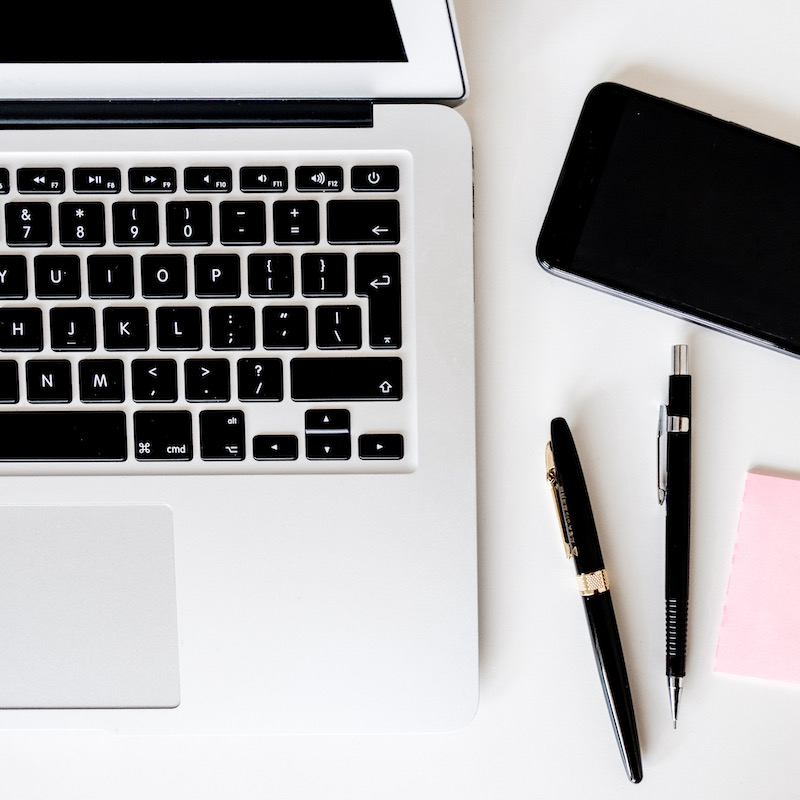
x=677, y=209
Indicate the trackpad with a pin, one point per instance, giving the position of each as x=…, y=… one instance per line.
x=87, y=607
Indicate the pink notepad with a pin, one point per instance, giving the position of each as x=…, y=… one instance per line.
x=760, y=631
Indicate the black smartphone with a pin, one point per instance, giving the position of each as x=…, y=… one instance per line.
x=674, y=208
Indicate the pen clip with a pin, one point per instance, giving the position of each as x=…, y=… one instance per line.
x=561, y=502
x=662, y=454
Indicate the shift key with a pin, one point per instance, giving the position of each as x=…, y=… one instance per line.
x=355, y=378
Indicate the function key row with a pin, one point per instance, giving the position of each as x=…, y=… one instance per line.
x=108, y=180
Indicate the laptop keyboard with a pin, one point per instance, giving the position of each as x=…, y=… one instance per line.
x=207, y=316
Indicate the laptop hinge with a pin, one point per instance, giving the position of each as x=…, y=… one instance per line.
x=170, y=113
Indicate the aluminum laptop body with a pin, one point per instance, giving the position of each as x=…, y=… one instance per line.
x=298, y=553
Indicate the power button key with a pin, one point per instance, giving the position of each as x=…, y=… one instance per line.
x=375, y=178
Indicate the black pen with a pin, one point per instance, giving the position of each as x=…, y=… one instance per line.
x=674, y=476
x=581, y=543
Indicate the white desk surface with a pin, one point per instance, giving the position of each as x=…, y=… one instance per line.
x=548, y=348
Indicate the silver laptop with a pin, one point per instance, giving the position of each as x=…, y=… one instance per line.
x=236, y=378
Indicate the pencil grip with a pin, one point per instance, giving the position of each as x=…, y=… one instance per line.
x=677, y=618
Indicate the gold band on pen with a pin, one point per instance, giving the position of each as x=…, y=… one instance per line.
x=590, y=583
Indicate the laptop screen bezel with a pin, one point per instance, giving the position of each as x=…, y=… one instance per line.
x=433, y=71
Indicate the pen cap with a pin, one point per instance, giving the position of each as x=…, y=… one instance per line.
x=579, y=518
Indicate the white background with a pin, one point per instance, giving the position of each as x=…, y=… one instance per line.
x=548, y=348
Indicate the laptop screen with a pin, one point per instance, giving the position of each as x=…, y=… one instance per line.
x=312, y=49
x=300, y=31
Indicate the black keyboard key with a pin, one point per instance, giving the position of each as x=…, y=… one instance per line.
x=21, y=329
x=155, y=380
x=72, y=328
x=222, y=436
x=110, y=276
x=323, y=275
x=232, y=328
x=101, y=380
x=242, y=223
x=9, y=382
x=338, y=327
x=189, y=223
x=208, y=380
x=152, y=179
x=275, y=447
x=270, y=275
x=217, y=275
x=164, y=275
x=363, y=222
x=378, y=279
x=328, y=446
x=285, y=327
x=96, y=180
x=63, y=436
x=40, y=181
x=380, y=178
x=82, y=224
x=126, y=328
x=327, y=420
x=263, y=179
x=162, y=435
x=346, y=378
x=295, y=222
x=57, y=277
x=260, y=379
x=5, y=182
x=319, y=179
x=179, y=328
x=207, y=179
x=49, y=381
x=135, y=224
x=380, y=446
x=328, y=434
x=13, y=277
x=28, y=225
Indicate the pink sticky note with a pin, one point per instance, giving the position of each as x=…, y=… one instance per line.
x=760, y=632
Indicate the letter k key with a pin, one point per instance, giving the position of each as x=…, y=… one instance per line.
x=126, y=328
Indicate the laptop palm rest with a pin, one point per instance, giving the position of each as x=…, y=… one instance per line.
x=87, y=607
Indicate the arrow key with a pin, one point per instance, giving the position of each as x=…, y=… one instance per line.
x=275, y=447
x=328, y=446
x=380, y=446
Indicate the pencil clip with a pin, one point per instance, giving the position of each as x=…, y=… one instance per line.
x=561, y=502
x=662, y=454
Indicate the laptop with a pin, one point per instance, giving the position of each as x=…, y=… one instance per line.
x=237, y=445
